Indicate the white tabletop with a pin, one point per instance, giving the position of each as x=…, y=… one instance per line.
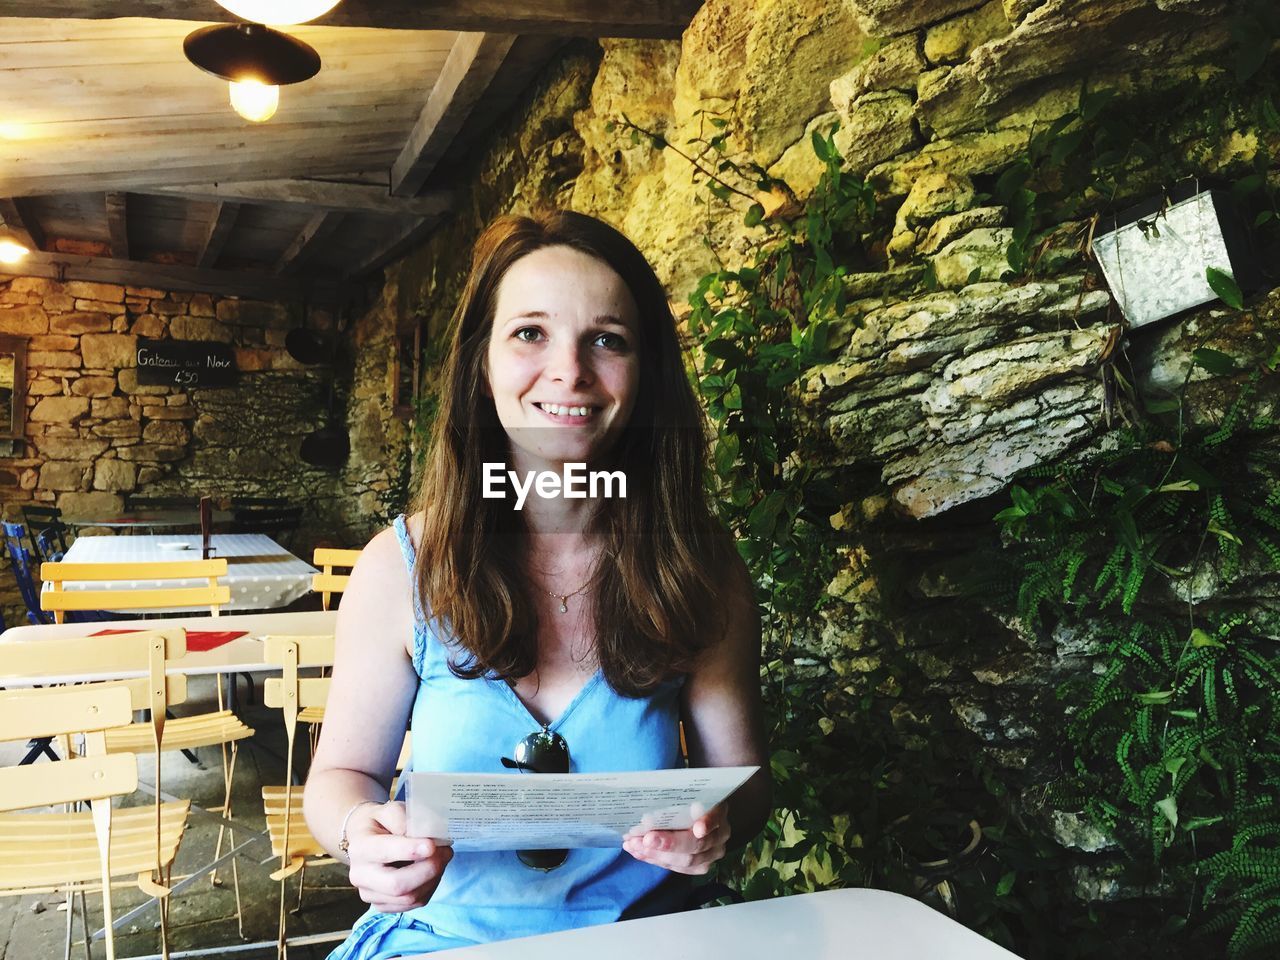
x=242, y=655
x=832, y=925
x=261, y=574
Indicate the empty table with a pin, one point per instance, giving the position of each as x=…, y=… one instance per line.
x=261, y=574
x=832, y=925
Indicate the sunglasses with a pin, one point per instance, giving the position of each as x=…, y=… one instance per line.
x=543, y=751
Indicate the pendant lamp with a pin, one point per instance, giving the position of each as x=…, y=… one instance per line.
x=278, y=13
x=255, y=60
x=11, y=251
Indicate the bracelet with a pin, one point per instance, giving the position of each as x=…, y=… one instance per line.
x=343, y=842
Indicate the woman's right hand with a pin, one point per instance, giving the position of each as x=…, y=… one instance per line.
x=392, y=872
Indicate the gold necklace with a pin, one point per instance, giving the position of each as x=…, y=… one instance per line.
x=564, y=597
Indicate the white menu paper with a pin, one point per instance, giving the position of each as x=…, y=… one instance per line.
x=548, y=811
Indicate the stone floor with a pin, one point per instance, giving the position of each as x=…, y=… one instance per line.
x=201, y=916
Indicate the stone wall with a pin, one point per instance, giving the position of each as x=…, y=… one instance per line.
x=95, y=435
x=951, y=373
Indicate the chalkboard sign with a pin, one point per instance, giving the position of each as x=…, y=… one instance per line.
x=185, y=363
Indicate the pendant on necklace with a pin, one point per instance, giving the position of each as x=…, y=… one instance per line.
x=564, y=604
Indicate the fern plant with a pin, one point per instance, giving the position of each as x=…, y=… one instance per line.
x=1175, y=742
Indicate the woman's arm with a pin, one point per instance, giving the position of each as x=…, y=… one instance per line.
x=370, y=697
x=724, y=727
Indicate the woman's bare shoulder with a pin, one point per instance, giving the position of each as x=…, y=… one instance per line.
x=381, y=553
x=380, y=590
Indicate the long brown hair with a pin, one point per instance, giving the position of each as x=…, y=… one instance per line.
x=656, y=594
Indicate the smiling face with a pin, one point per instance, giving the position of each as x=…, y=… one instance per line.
x=563, y=364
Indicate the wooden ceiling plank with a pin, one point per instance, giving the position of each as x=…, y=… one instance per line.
x=19, y=219
x=238, y=283
x=117, y=204
x=288, y=166
x=586, y=18
x=472, y=64
x=319, y=194
x=400, y=242
x=220, y=226
x=24, y=44
x=319, y=228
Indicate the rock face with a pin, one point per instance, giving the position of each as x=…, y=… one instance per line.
x=953, y=373
x=1057, y=43
x=881, y=18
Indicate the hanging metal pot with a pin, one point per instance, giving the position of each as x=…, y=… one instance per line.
x=329, y=446
x=306, y=345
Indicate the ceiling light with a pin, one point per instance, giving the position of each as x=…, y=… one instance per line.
x=256, y=60
x=253, y=100
x=11, y=251
x=278, y=12
x=12, y=130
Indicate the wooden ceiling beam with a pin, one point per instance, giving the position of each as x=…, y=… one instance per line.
x=396, y=245
x=220, y=226
x=473, y=62
x=297, y=160
x=168, y=276
x=305, y=244
x=118, y=224
x=19, y=219
x=582, y=18
x=317, y=194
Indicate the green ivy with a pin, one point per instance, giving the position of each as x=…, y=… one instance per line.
x=1174, y=744
x=866, y=792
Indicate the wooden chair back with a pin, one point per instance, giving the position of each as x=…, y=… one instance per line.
x=58, y=600
x=291, y=693
x=140, y=652
x=326, y=582
x=58, y=711
x=91, y=709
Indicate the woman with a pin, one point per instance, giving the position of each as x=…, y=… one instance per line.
x=594, y=623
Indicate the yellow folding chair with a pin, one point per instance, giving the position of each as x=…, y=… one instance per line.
x=220, y=728
x=326, y=582
x=75, y=851
x=59, y=600
x=291, y=841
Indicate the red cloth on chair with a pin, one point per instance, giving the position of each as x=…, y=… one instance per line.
x=198, y=641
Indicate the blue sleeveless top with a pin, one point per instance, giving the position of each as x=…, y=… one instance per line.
x=465, y=726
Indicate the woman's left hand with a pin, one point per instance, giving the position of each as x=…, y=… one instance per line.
x=691, y=851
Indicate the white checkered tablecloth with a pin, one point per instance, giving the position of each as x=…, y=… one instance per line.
x=262, y=574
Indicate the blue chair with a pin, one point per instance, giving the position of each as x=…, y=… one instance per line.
x=44, y=526
x=24, y=572
x=20, y=562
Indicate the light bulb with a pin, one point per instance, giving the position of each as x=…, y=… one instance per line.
x=276, y=13
x=11, y=251
x=254, y=100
